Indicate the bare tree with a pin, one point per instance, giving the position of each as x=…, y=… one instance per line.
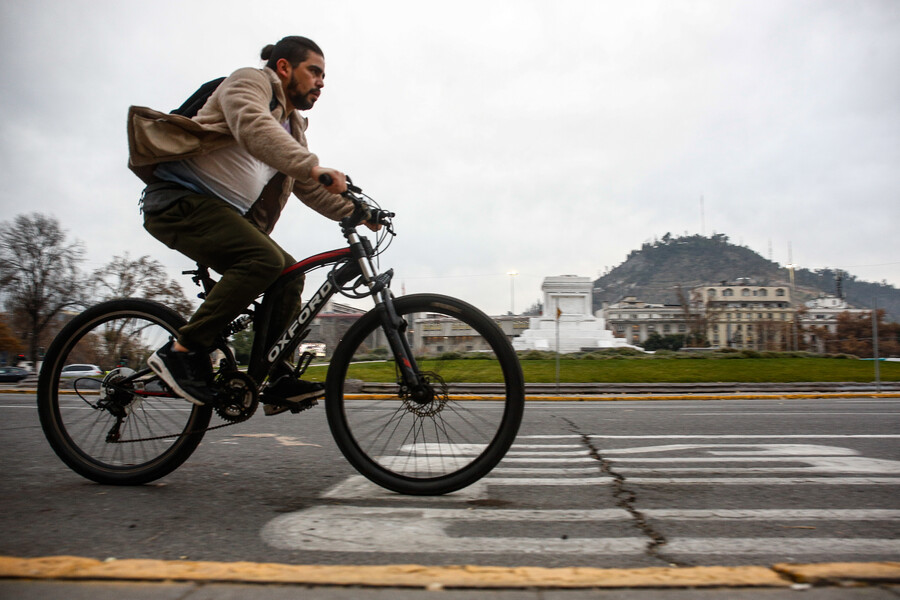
x=692, y=310
x=9, y=342
x=536, y=309
x=39, y=274
x=144, y=277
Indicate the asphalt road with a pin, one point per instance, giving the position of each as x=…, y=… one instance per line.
x=600, y=484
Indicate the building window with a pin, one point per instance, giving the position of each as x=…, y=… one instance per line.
x=711, y=293
x=763, y=292
x=729, y=292
x=745, y=292
x=779, y=292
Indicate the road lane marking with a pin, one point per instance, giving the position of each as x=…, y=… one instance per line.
x=284, y=440
x=774, y=514
x=757, y=451
x=766, y=480
x=804, y=458
x=545, y=481
x=582, y=459
x=818, y=413
x=354, y=527
x=783, y=546
x=545, y=470
x=824, y=436
x=393, y=529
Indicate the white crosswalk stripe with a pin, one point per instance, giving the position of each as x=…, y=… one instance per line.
x=544, y=462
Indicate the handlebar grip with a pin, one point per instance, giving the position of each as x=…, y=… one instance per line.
x=325, y=179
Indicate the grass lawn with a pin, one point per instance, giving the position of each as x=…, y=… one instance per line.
x=691, y=371
x=647, y=370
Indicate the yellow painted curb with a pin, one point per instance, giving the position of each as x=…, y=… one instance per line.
x=77, y=568
x=760, y=396
x=624, y=397
x=827, y=573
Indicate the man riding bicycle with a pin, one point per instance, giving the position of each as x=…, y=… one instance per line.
x=217, y=183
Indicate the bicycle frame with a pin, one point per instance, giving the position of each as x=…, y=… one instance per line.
x=268, y=352
x=268, y=349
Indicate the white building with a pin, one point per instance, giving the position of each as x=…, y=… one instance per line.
x=635, y=320
x=566, y=324
x=824, y=310
x=822, y=313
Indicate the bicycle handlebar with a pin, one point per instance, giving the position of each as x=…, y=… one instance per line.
x=362, y=211
x=326, y=180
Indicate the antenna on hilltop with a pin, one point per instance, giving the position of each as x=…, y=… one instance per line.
x=702, y=218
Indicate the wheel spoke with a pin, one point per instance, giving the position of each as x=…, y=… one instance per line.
x=437, y=445
x=154, y=429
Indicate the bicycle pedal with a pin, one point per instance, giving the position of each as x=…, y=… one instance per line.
x=276, y=409
x=304, y=405
x=273, y=409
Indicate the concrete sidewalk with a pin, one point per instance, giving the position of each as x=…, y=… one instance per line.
x=58, y=590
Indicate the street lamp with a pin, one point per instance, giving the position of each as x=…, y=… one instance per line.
x=512, y=291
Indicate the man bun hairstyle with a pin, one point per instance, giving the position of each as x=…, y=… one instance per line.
x=294, y=48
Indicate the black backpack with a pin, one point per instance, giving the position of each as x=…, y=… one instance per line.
x=192, y=105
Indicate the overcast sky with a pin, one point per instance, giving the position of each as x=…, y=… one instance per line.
x=543, y=137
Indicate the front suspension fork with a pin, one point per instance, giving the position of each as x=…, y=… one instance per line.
x=393, y=325
x=395, y=328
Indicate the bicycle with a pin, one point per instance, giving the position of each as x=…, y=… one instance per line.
x=420, y=435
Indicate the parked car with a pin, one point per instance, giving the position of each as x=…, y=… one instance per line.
x=81, y=371
x=13, y=374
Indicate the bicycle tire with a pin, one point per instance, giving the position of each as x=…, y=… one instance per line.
x=78, y=429
x=448, y=443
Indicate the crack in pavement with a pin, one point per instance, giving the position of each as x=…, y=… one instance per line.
x=626, y=499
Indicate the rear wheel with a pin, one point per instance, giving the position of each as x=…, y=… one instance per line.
x=124, y=427
x=454, y=435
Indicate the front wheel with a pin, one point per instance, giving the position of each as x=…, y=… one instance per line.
x=124, y=427
x=451, y=438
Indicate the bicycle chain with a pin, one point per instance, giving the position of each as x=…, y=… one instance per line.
x=162, y=437
x=115, y=386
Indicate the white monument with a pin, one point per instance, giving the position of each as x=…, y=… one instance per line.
x=567, y=298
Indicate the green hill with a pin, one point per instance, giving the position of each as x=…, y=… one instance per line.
x=657, y=271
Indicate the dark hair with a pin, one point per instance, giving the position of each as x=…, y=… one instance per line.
x=293, y=47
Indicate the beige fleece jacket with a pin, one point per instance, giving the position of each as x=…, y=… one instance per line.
x=238, y=113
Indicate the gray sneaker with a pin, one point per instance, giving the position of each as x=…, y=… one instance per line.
x=189, y=374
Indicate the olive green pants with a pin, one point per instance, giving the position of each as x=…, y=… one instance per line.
x=212, y=233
